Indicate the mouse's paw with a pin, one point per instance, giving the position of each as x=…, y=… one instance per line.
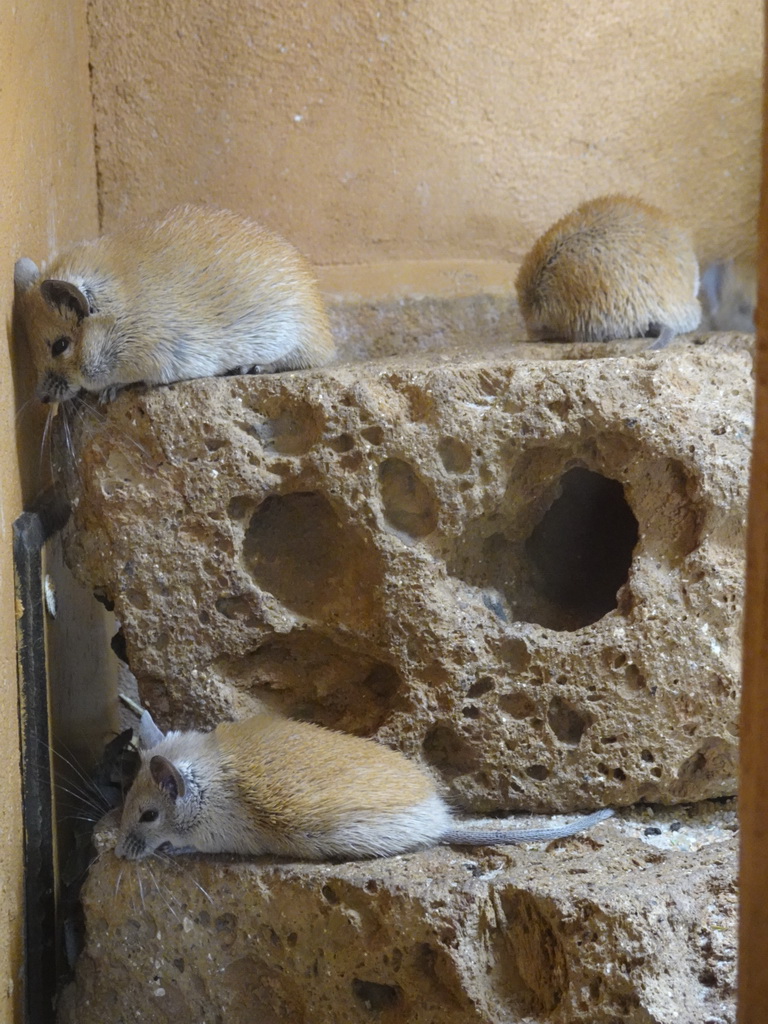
x=107, y=395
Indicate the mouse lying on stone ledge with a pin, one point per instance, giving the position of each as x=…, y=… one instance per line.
x=198, y=293
x=268, y=784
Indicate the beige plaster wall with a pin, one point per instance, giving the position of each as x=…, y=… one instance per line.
x=48, y=197
x=429, y=129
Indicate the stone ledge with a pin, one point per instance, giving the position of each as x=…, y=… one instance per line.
x=592, y=930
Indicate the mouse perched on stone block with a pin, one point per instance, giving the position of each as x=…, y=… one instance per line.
x=268, y=784
x=196, y=293
x=614, y=268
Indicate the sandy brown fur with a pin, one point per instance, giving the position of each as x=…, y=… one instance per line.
x=367, y=776
x=198, y=292
x=615, y=267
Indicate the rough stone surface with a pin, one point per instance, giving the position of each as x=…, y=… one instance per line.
x=521, y=565
x=593, y=930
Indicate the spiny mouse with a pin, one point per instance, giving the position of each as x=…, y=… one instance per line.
x=613, y=268
x=197, y=293
x=268, y=784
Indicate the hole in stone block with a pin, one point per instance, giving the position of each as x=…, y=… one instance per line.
x=714, y=759
x=375, y=996
x=537, y=771
x=528, y=969
x=567, y=722
x=237, y=608
x=213, y=444
x=297, y=549
x=516, y=654
x=290, y=432
x=239, y=506
x=634, y=679
x=383, y=682
x=454, y=454
x=560, y=558
x=305, y=675
x=517, y=704
x=352, y=461
x=137, y=599
x=342, y=443
x=483, y=685
x=449, y=752
x=244, y=1001
x=581, y=549
x=373, y=435
x=408, y=505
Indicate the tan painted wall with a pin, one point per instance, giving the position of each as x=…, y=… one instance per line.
x=48, y=197
x=368, y=130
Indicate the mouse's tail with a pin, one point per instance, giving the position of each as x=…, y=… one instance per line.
x=499, y=837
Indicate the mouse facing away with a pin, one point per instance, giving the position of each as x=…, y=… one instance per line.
x=268, y=784
x=198, y=293
x=613, y=268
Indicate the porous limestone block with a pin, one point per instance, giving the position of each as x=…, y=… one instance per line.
x=521, y=565
x=596, y=929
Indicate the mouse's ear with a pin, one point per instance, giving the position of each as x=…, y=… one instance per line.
x=65, y=295
x=167, y=776
x=25, y=273
x=149, y=734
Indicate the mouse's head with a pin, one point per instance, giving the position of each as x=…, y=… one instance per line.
x=157, y=809
x=163, y=803
x=69, y=339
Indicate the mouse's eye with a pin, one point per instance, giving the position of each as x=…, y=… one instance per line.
x=60, y=345
x=150, y=816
